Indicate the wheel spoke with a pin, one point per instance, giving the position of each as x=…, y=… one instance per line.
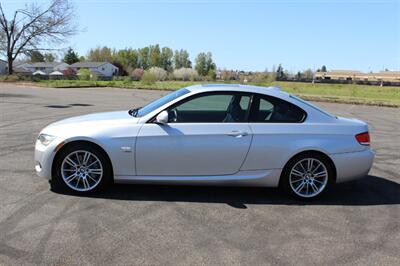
x=316, y=168
x=89, y=176
x=71, y=162
x=86, y=158
x=77, y=181
x=300, y=187
x=85, y=183
x=70, y=178
x=310, y=163
x=297, y=180
x=302, y=167
x=297, y=172
x=92, y=163
x=314, y=187
x=320, y=174
x=95, y=171
x=320, y=182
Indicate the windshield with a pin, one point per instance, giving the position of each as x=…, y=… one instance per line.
x=312, y=106
x=160, y=102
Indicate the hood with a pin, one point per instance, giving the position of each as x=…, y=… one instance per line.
x=91, y=122
x=97, y=117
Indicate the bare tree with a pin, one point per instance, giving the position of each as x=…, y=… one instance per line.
x=35, y=28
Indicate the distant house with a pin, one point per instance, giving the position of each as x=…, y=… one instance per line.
x=46, y=67
x=103, y=69
x=3, y=67
x=351, y=75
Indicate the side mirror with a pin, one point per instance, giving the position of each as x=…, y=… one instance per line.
x=162, y=118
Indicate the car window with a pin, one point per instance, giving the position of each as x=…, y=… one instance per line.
x=160, y=102
x=211, y=108
x=207, y=103
x=273, y=110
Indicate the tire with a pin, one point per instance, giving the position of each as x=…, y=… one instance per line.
x=307, y=176
x=81, y=169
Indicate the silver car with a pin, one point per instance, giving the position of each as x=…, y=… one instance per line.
x=208, y=135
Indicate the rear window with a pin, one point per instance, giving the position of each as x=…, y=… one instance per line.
x=273, y=110
x=312, y=106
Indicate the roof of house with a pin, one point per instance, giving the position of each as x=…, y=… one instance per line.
x=56, y=73
x=39, y=64
x=46, y=64
x=39, y=72
x=89, y=64
x=4, y=61
x=19, y=69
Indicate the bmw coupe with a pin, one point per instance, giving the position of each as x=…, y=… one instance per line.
x=233, y=135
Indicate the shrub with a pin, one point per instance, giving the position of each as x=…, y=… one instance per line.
x=137, y=74
x=159, y=73
x=186, y=74
x=10, y=78
x=94, y=76
x=148, y=78
x=84, y=74
x=69, y=72
x=211, y=75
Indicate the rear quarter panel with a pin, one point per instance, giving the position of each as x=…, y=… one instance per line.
x=275, y=143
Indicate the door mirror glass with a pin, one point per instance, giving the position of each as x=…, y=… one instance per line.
x=162, y=118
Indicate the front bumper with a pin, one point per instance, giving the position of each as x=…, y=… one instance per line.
x=44, y=156
x=352, y=165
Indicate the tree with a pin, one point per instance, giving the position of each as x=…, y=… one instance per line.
x=280, y=73
x=100, y=54
x=308, y=74
x=49, y=57
x=71, y=57
x=143, y=58
x=323, y=68
x=36, y=56
x=204, y=64
x=181, y=59
x=33, y=27
x=154, y=56
x=166, y=58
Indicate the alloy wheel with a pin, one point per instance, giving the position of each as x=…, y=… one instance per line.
x=308, y=177
x=81, y=170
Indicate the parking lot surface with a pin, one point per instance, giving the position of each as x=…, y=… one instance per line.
x=357, y=223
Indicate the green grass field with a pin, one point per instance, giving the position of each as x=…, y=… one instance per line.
x=345, y=93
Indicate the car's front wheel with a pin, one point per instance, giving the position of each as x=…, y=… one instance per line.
x=307, y=176
x=82, y=169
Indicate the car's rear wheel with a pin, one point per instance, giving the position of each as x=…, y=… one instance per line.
x=307, y=176
x=82, y=169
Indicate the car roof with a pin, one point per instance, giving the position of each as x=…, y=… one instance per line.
x=272, y=91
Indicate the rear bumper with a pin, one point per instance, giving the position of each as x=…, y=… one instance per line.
x=352, y=165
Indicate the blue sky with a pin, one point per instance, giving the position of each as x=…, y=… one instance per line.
x=249, y=35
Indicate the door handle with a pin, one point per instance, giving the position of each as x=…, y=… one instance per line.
x=237, y=133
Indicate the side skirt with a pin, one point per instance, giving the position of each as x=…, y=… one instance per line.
x=258, y=178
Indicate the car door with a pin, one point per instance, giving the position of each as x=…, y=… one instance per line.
x=277, y=127
x=207, y=134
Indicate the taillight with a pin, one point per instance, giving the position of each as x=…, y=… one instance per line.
x=363, y=138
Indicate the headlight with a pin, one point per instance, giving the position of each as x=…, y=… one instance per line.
x=46, y=139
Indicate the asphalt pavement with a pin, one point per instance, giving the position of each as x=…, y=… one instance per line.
x=357, y=223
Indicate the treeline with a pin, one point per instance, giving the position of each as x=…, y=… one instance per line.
x=132, y=62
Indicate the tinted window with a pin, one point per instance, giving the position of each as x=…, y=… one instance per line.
x=273, y=110
x=211, y=108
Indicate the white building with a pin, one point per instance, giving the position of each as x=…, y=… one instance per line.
x=3, y=67
x=104, y=69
